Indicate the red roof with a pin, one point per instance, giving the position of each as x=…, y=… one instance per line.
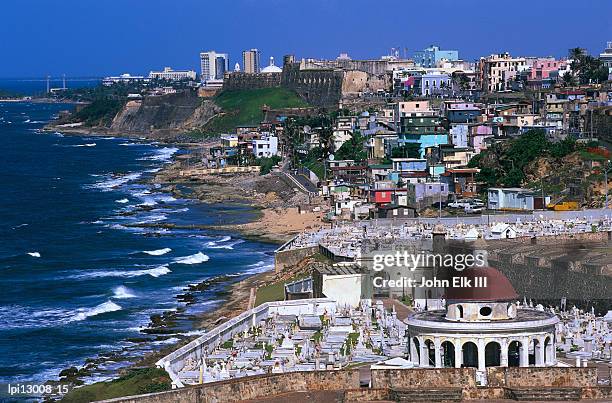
x=498, y=286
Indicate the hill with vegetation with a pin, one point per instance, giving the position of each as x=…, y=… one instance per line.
x=134, y=382
x=567, y=168
x=244, y=107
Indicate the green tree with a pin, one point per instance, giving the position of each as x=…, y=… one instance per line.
x=407, y=150
x=488, y=176
x=514, y=178
x=563, y=148
x=353, y=149
x=568, y=80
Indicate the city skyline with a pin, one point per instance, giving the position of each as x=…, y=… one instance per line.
x=79, y=39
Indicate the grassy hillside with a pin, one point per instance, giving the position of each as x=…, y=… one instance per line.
x=136, y=382
x=244, y=107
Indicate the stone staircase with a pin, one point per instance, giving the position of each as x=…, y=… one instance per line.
x=545, y=393
x=426, y=395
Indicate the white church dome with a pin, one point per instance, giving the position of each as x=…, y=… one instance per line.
x=272, y=68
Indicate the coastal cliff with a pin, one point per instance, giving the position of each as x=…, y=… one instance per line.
x=166, y=117
x=179, y=116
x=178, y=112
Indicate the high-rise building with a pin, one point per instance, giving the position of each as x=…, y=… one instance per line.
x=213, y=65
x=250, y=61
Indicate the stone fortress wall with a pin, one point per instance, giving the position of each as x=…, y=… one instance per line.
x=242, y=81
x=322, y=86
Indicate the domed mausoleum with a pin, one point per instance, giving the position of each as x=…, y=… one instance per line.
x=482, y=326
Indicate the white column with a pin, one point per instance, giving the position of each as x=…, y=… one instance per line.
x=524, y=352
x=413, y=352
x=481, y=355
x=504, y=353
x=424, y=354
x=539, y=353
x=458, y=353
x=438, y=352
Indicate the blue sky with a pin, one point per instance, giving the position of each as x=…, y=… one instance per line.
x=101, y=37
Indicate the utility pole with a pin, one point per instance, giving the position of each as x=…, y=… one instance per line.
x=440, y=201
x=543, y=199
x=606, y=167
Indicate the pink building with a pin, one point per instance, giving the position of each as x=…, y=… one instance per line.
x=478, y=135
x=541, y=68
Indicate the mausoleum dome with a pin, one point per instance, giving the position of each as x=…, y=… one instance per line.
x=498, y=287
x=481, y=294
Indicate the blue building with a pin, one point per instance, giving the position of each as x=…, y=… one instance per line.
x=432, y=55
x=430, y=139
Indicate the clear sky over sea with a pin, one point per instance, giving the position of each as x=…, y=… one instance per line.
x=95, y=37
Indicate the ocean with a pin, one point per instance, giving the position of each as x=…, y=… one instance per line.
x=77, y=283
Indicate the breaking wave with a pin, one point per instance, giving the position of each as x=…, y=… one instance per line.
x=155, y=272
x=116, y=181
x=122, y=292
x=84, y=313
x=193, y=259
x=162, y=154
x=157, y=252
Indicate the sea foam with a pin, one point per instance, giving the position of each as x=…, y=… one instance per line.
x=193, y=259
x=84, y=313
x=161, y=154
x=157, y=252
x=122, y=292
x=155, y=272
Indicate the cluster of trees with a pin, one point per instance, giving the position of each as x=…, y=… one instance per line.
x=586, y=69
x=266, y=164
x=504, y=164
x=353, y=149
x=100, y=112
x=8, y=94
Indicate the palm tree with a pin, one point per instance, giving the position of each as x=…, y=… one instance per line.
x=568, y=80
x=577, y=53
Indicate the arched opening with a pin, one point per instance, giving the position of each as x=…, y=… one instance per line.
x=534, y=353
x=492, y=354
x=417, y=350
x=470, y=355
x=514, y=354
x=448, y=354
x=431, y=352
x=459, y=312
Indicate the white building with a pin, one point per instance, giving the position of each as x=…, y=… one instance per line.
x=512, y=199
x=495, y=71
x=123, y=78
x=172, y=75
x=266, y=146
x=213, y=65
x=459, y=135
